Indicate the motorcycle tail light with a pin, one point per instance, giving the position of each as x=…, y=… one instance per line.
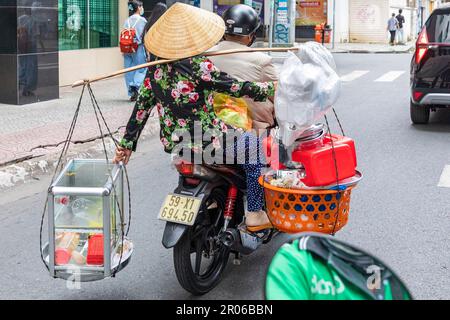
x=193, y=171
x=185, y=168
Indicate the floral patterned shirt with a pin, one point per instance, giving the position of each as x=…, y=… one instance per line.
x=183, y=92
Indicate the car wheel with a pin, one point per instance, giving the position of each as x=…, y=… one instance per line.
x=419, y=114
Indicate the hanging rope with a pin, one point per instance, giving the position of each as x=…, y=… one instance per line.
x=338, y=121
x=60, y=165
x=338, y=191
x=58, y=168
x=116, y=145
x=97, y=110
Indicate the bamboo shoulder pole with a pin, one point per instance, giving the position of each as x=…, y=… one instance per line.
x=165, y=61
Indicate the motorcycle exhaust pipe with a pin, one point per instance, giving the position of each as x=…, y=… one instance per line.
x=232, y=240
x=229, y=238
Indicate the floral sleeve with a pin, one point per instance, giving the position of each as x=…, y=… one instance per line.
x=139, y=117
x=217, y=81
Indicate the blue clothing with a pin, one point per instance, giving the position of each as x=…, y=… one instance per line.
x=392, y=24
x=134, y=79
x=255, y=193
x=248, y=153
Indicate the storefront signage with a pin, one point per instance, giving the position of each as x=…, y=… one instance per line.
x=220, y=6
x=281, y=23
x=309, y=4
x=311, y=13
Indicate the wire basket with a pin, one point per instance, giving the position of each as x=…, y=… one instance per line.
x=304, y=210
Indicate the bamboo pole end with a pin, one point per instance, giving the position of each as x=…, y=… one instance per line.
x=79, y=83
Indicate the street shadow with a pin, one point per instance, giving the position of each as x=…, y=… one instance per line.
x=439, y=122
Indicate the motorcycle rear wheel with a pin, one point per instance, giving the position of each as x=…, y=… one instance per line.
x=197, y=241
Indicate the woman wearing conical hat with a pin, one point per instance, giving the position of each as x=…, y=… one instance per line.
x=183, y=92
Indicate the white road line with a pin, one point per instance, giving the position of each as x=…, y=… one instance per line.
x=354, y=75
x=390, y=76
x=444, y=181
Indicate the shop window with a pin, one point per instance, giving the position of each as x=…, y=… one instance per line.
x=310, y=13
x=411, y=3
x=85, y=24
x=103, y=23
x=72, y=24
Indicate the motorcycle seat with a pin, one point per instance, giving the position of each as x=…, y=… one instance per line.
x=232, y=169
x=234, y=174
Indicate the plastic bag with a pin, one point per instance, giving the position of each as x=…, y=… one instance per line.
x=308, y=87
x=233, y=111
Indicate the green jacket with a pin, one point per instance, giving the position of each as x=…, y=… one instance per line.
x=309, y=269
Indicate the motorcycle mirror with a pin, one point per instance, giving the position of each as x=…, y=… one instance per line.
x=312, y=266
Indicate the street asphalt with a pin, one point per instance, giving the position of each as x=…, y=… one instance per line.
x=397, y=212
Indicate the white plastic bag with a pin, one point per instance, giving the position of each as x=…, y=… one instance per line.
x=308, y=87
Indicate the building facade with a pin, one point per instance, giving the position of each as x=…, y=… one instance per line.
x=28, y=51
x=88, y=37
x=89, y=29
x=52, y=43
x=365, y=21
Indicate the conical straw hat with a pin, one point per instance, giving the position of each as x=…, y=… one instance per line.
x=184, y=31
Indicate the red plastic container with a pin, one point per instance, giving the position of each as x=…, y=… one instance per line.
x=62, y=256
x=319, y=164
x=317, y=159
x=95, y=250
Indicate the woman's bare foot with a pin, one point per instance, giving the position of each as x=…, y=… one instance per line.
x=257, y=221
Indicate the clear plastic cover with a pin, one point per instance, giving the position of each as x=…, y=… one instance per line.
x=308, y=87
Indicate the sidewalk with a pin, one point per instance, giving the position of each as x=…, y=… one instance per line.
x=371, y=48
x=35, y=130
x=279, y=57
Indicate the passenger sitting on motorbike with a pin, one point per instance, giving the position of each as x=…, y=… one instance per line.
x=182, y=92
x=241, y=23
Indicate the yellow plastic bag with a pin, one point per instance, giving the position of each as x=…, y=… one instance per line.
x=233, y=111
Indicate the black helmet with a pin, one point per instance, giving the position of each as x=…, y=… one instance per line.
x=241, y=20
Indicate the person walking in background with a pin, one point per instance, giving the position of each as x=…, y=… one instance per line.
x=400, y=33
x=136, y=25
x=392, y=28
x=157, y=12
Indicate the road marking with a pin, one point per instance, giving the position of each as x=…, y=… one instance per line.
x=390, y=76
x=354, y=75
x=444, y=181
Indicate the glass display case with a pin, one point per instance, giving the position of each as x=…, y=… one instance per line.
x=86, y=215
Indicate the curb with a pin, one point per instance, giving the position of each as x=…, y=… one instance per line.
x=24, y=170
x=373, y=51
x=280, y=60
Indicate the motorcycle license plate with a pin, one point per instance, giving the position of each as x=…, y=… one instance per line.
x=180, y=209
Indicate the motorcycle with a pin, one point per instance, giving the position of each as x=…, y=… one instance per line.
x=205, y=224
x=205, y=213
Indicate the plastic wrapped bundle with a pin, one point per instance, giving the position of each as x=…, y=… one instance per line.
x=308, y=87
x=233, y=111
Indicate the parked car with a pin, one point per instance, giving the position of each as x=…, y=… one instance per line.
x=430, y=67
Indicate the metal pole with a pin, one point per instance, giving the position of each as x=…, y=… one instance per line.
x=419, y=15
x=334, y=24
x=271, y=23
x=88, y=24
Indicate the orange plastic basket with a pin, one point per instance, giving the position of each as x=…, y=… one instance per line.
x=293, y=211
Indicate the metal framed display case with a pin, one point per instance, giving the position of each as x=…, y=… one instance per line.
x=85, y=222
